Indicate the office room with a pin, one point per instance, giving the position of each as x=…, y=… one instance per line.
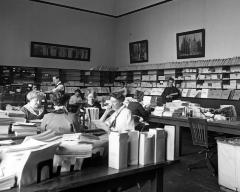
x=119, y=95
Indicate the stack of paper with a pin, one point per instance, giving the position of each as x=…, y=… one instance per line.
x=22, y=160
x=75, y=148
x=236, y=95
x=157, y=91
x=185, y=92
x=158, y=111
x=6, y=142
x=36, y=121
x=225, y=94
x=24, y=129
x=28, y=175
x=5, y=121
x=46, y=136
x=146, y=100
x=17, y=116
x=175, y=108
x=204, y=93
x=7, y=182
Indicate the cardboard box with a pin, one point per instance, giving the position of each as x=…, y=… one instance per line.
x=133, y=147
x=146, y=148
x=159, y=144
x=118, y=150
x=170, y=141
x=229, y=164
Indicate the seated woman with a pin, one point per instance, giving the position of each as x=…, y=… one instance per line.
x=34, y=108
x=136, y=107
x=60, y=120
x=121, y=120
x=92, y=102
x=138, y=111
x=76, y=98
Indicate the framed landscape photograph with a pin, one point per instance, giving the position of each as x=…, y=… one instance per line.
x=138, y=51
x=191, y=44
x=56, y=51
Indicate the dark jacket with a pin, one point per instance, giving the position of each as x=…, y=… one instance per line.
x=170, y=90
x=137, y=109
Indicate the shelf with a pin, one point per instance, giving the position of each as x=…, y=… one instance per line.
x=210, y=79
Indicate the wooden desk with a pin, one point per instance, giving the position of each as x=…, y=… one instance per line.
x=230, y=127
x=102, y=178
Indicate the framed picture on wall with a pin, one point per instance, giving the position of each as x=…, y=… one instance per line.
x=56, y=51
x=138, y=51
x=191, y=44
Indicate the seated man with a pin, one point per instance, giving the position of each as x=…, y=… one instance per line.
x=121, y=120
x=170, y=93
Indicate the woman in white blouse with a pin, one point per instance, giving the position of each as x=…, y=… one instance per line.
x=121, y=120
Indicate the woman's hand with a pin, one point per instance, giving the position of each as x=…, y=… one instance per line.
x=108, y=109
x=106, y=112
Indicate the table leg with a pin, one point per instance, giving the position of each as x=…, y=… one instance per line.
x=157, y=183
x=177, y=152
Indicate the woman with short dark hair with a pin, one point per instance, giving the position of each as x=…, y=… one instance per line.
x=60, y=120
x=135, y=106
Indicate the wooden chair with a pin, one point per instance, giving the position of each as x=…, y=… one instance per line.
x=200, y=137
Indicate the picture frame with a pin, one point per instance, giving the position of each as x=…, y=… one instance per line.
x=191, y=44
x=56, y=51
x=138, y=51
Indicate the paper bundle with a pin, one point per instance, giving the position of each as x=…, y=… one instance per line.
x=17, y=116
x=37, y=122
x=7, y=182
x=74, y=148
x=24, y=129
x=46, y=136
x=22, y=160
x=5, y=122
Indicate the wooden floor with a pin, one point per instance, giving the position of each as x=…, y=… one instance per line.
x=178, y=179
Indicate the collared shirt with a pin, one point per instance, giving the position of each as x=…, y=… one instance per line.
x=121, y=120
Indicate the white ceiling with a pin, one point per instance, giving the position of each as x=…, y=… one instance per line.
x=110, y=7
